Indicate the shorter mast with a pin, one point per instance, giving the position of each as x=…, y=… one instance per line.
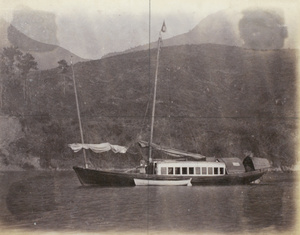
x=78, y=114
x=163, y=29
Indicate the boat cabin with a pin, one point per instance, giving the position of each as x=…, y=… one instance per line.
x=187, y=168
x=210, y=167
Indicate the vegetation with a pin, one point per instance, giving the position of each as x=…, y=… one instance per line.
x=14, y=64
x=63, y=65
x=216, y=100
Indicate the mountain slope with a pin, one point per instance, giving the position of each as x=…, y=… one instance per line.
x=218, y=28
x=46, y=55
x=216, y=100
x=251, y=28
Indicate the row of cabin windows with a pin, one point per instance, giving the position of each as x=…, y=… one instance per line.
x=192, y=170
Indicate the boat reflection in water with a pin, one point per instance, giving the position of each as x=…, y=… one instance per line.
x=55, y=201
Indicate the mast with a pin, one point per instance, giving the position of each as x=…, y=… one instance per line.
x=163, y=29
x=78, y=114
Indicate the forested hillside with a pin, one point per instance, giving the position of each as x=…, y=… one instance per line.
x=215, y=100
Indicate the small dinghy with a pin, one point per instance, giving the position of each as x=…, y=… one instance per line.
x=148, y=182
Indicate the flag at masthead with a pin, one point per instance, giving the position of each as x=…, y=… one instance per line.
x=164, y=27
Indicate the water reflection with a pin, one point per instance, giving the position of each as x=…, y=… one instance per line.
x=265, y=206
x=27, y=198
x=262, y=206
x=57, y=202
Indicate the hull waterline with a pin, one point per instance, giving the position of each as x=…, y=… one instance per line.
x=112, y=178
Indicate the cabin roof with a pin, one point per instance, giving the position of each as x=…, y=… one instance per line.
x=233, y=165
x=189, y=163
x=258, y=163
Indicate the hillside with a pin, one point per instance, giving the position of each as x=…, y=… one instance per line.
x=46, y=55
x=215, y=100
x=249, y=28
x=218, y=28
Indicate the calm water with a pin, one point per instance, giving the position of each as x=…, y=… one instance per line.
x=55, y=201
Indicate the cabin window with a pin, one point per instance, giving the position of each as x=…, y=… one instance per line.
x=163, y=170
x=170, y=171
x=197, y=170
x=177, y=170
x=184, y=170
x=155, y=168
x=221, y=171
x=191, y=170
x=204, y=170
x=216, y=170
x=209, y=170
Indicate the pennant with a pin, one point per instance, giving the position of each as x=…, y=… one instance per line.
x=163, y=27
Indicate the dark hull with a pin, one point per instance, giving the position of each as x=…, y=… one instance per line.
x=112, y=178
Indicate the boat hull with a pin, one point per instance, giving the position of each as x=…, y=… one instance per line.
x=113, y=178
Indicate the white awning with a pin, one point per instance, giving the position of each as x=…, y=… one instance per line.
x=98, y=148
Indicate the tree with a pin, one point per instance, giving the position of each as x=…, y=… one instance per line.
x=9, y=58
x=14, y=62
x=8, y=66
x=26, y=63
x=63, y=65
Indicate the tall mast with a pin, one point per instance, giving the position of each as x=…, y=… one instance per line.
x=78, y=114
x=163, y=29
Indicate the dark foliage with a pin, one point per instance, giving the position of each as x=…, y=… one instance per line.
x=216, y=100
x=63, y=65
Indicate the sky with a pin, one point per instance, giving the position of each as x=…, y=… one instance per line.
x=116, y=25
